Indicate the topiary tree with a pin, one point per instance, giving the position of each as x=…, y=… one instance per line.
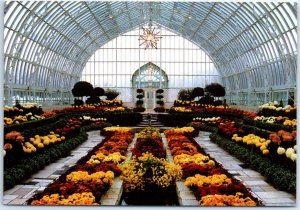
x=185, y=94
x=207, y=99
x=215, y=89
x=94, y=98
x=139, y=102
x=160, y=91
x=98, y=91
x=82, y=88
x=140, y=96
x=197, y=91
x=140, y=90
x=159, y=97
x=111, y=94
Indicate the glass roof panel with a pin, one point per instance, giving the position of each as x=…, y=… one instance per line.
x=230, y=32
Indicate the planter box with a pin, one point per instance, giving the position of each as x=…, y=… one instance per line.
x=158, y=197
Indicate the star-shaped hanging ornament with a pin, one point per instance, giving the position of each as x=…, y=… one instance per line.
x=149, y=38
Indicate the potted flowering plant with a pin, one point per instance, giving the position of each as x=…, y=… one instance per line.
x=148, y=180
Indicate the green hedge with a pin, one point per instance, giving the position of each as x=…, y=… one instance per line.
x=28, y=166
x=278, y=175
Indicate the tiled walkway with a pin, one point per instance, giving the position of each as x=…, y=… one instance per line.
x=261, y=189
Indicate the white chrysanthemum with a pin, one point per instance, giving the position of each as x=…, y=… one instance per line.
x=289, y=152
x=280, y=151
x=294, y=157
x=295, y=148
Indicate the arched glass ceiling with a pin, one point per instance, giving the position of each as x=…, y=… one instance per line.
x=48, y=43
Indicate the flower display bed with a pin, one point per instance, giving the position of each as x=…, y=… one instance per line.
x=149, y=179
x=267, y=143
x=87, y=181
x=211, y=184
x=38, y=141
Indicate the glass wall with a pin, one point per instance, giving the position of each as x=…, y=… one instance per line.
x=185, y=64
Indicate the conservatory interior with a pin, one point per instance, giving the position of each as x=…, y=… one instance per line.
x=149, y=103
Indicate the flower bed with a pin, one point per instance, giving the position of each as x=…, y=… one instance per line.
x=209, y=121
x=273, y=147
x=149, y=140
x=87, y=181
x=112, y=129
x=19, y=145
x=204, y=176
x=24, y=113
x=149, y=179
x=272, y=123
x=101, y=107
x=16, y=170
x=273, y=108
x=279, y=175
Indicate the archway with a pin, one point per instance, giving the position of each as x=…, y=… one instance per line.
x=149, y=77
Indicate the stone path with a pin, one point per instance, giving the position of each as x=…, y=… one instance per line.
x=185, y=196
x=254, y=180
x=114, y=194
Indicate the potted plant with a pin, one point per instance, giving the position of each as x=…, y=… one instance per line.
x=148, y=180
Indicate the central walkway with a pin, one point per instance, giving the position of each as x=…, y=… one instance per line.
x=257, y=183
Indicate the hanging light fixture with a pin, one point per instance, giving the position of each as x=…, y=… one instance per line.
x=150, y=37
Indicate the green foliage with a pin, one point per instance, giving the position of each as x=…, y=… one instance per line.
x=82, y=88
x=93, y=100
x=204, y=127
x=32, y=124
x=271, y=112
x=215, y=89
x=159, y=91
x=111, y=94
x=28, y=166
x=280, y=176
x=266, y=126
x=159, y=96
x=139, y=102
x=140, y=96
x=160, y=102
x=197, y=91
x=140, y=90
x=185, y=95
x=98, y=91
